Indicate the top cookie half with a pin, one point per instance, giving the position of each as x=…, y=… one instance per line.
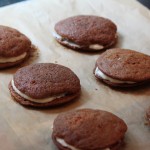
x=86, y=32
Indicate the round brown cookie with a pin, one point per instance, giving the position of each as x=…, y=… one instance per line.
x=148, y=115
x=80, y=32
x=88, y=129
x=35, y=83
x=14, y=47
x=123, y=67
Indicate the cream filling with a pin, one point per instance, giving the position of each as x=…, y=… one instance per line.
x=105, y=77
x=12, y=59
x=96, y=46
x=43, y=100
x=65, y=41
x=63, y=143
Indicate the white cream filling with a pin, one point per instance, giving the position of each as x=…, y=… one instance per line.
x=65, y=41
x=43, y=100
x=96, y=46
x=12, y=59
x=105, y=77
x=63, y=143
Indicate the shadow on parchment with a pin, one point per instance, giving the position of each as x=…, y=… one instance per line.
x=80, y=101
x=139, y=90
x=119, y=41
x=89, y=52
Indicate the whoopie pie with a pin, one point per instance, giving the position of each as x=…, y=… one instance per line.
x=88, y=129
x=86, y=33
x=14, y=47
x=44, y=84
x=123, y=67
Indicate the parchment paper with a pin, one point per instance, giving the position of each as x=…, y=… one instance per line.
x=30, y=129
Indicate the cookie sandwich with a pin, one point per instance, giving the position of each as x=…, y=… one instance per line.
x=123, y=67
x=88, y=129
x=84, y=32
x=14, y=47
x=44, y=84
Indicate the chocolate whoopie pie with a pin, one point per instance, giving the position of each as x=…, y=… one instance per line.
x=85, y=32
x=44, y=84
x=123, y=67
x=14, y=47
x=88, y=129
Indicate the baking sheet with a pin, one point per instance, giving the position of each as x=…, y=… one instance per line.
x=23, y=128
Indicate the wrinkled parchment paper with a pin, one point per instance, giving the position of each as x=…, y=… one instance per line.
x=30, y=129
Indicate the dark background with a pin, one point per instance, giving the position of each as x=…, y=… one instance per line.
x=7, y=2
x=145, y=2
